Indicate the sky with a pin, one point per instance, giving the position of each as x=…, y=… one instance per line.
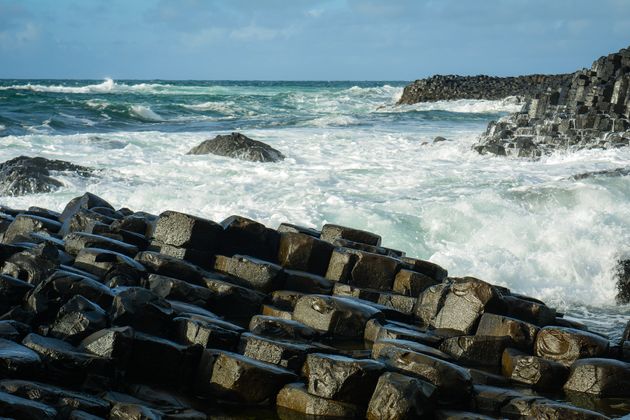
x=305, y=39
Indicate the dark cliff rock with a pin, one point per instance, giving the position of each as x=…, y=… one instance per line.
x=450, y=87
x=238, y=146
x=593, y=111
x=31, y=175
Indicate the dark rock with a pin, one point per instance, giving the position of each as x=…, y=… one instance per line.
x=340, y=317
x=622, y=275
x=259, y=275
x=111, y=343
x=24, y=224
x=522, y=334
x=378, y=330
x=12, y=290
x=125, y=411
x=381, y=345
x=541, y=408
x=32, y=265
x=141, y=309
x=288, y=227
x=602, y=377
x=206, y=332
x=566, y=345
x=301, y=281
x=13, y=330
x=77, y=319
x=439, y=139
x=282, y=329
x=180, y=290
x=17, y=360
x=22, y=408
x=380, y=250
x=186, y=231
x=76, y=241
x=342, y=378
x=490, y=399
x=228, y=296
x=453, y=383
x=427, y=268
x=238, y=378
x=399, y=397
x=340, y=265
x=109, y=265
x=542, y=374
x=332, y=232
x=32, y=175
x=412, y=283
x=286, y=354
x=159, y=361
x=476, y=350
x=530, y=311
x=86, y=201
x=460, y=415
x=303, y=252
x=238, y=146
x=65, y=363
x=247, y=237
x=401, y=303
x=85, y=220
x=295, y=398
x=61, y=399
x=168, y=266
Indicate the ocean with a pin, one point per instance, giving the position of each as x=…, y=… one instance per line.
x=353, y=158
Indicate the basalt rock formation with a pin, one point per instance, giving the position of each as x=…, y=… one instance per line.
x=119, y=314
x=593, y=111
x=450, y=87
x=30, y=175
x=238, y=146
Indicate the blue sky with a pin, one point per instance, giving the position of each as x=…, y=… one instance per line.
x=304, y=39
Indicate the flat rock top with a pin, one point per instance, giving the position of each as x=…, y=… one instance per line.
x=238, y=146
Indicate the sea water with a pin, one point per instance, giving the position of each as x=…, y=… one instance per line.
x=353, y=158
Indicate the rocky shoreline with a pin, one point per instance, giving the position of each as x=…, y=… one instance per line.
x=111, y=313
x=451, y=87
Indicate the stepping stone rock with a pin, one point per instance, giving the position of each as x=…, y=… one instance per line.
x=238, y=146
x=294, y=397
x=539, y=373
x=601, y=377
x=303, y=252
x=332, y=232
x=260, y=275
x=522, y=334
x=566, y=345
x=476, y=350
x=400, y=397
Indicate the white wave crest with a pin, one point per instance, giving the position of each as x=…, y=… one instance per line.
x=334, y=121
x=146, y=113
x=107, y=86
x=2, y=127
x=97, y=104
x=222, y=107
x=472, y=106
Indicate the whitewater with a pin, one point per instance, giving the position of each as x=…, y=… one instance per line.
x=354, y=158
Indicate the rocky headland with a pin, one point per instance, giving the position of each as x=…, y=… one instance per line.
x=121, y=314
x=451, y=87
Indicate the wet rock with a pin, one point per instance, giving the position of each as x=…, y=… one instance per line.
x=13, y=330
x=566, y=345
x=400, y=397
x=340, y=265
x=187, y=309
x=336, y=316
x=542, y=374
x=270, y=310
x=380, y=250
x=247, y=237
x=61, y=399
x=283, y=329
x=76, y=241
x=476, y=350
x=238, y=146
x=259, y=275
x=332, y=232
x=141, y=309
x=460, y=415
x=159, y=361
x=288, y=227
x=180, y=290
x=238, y=378
x=17, y=360
x=286, y=354
x=458, y=305
x=24, y=224
x=186, y=231
x=401, y=303
x=228, y=296
x=22, y=408
x=125, y=411
x=84, y=220
x=165, y=265
x=111, y=343
x=622, y=275
x=522, y=334
x=453, y=383
x=206, y=332
x=490, y=399
x=298, y=251
x=427, y=268
x=304, y=282
x=32, y=265
x=48, y=297
x=295, y=397
x=109, y=265
x=541, y=408
x=86, y=201
x=65, y=363
x=602, y=377
x=378, y=330
x=529, y=310
x=412, y=283
x=32, y=175
x=373, y=271
x=77, y=319
x=342, y=378
x=381, y=345
x=12, y=290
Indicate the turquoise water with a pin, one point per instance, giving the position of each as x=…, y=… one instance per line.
x=353, y=157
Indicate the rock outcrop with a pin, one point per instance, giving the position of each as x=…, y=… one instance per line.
x=31, y=175
x=132, y=315
x=593, y=111
x=238, y=146
x=451, y=87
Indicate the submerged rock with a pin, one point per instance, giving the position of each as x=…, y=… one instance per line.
x=32, y=175
x=238, y=146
